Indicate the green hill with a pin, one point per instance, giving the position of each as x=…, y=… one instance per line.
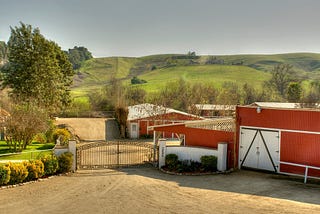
x=208, y=74
x=159, y=69
x=307, y=62
x=97, y=72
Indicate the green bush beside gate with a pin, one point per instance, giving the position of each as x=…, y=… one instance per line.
x=15, y=173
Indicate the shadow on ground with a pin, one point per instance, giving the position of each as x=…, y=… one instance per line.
x=242, y=182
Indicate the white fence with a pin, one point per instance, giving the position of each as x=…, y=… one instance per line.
x=306, y=176
x=194, y=153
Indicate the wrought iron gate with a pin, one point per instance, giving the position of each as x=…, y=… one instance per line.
x=116, y=154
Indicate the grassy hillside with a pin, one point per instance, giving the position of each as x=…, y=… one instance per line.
x=304, y=62
x=97, y=72
x=159, y=69
x=208, y=74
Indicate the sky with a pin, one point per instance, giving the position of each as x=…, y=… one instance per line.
x=147, y=27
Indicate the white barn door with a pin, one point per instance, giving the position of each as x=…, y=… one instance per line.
x=259, y=149
x=134, y=130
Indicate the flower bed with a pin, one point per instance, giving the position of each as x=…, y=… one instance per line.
x=17, y=173
x=173, y=165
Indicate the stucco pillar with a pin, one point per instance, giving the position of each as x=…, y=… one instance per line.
x=222, y=156
x=73, y=149
x=162, y=152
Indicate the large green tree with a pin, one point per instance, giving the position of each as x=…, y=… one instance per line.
x=38, y=70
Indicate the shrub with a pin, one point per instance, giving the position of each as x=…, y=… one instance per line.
x=195, y=166
x=136, y=80
x=171, y=161
x=50, y=163
x=35, y=169
x=65, y=162
x=188, y=166
x=4, y=174
x=40, y=138
x=63, y=135
x=209, y=162
x=18, y=174
x=146, y=136
x=183, y=166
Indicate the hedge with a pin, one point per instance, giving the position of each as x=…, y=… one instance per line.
x=4, y=174
x=14, y=173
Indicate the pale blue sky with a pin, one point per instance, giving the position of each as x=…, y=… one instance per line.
x=145, y=27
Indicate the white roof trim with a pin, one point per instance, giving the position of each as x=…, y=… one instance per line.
x=149, y=110
x=277, y=105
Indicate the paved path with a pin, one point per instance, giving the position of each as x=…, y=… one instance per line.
x=147, y=190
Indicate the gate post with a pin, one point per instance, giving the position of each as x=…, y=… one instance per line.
x=222, y=156
x=162, y=152
x=73, y=149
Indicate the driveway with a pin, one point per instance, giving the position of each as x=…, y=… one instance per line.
x=147, y=190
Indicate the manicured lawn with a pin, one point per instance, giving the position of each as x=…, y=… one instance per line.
x=33, y=151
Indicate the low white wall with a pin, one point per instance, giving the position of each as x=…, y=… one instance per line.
x=60, y=151
x=194, y=153
x=191, y=153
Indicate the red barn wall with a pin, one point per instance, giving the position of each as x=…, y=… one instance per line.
x=280, y=118
x=203, y=138
x=300, y=148
x=296, y=144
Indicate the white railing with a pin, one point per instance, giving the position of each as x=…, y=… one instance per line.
x=305, y=171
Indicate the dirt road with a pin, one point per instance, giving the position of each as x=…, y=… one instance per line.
x=86, y=128
x=147, y=190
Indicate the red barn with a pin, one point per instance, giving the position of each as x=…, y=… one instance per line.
x=142, y=116
x=278, y=139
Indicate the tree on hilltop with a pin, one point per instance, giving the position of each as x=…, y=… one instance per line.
x=77, y=55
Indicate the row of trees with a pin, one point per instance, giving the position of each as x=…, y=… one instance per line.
x=283, y=86
x=288, y=86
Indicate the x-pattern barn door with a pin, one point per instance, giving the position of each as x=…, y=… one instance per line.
x=259, y=149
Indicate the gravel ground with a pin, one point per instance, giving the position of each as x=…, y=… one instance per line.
x=147, y=190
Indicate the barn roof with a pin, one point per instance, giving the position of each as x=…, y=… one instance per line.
x=276, y=105
x=150, y=110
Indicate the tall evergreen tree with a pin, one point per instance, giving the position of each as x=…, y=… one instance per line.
x=37, y=70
